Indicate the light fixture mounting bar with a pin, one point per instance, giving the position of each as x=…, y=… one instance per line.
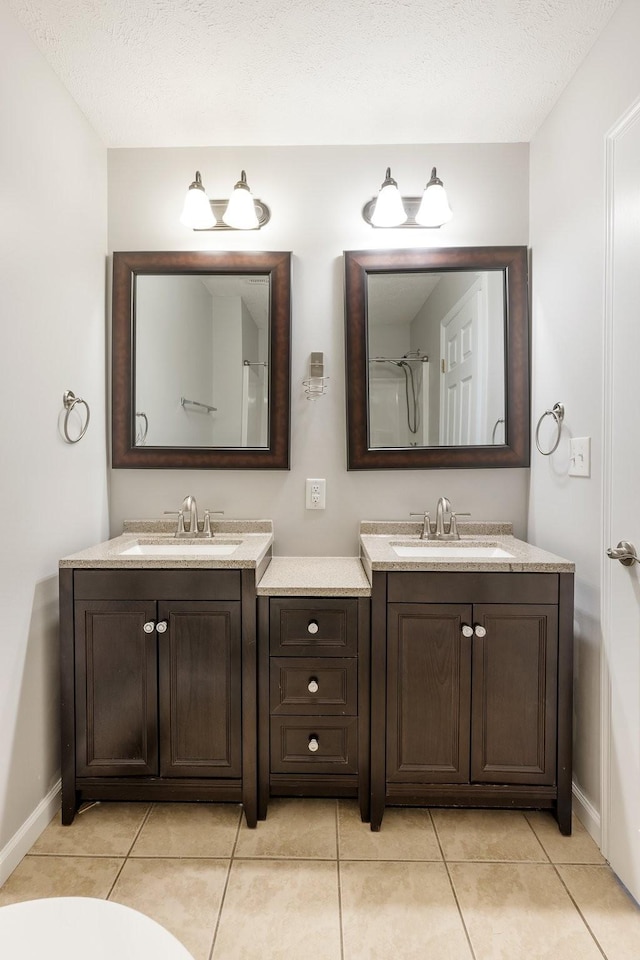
x=411, y=205
x=219, y=206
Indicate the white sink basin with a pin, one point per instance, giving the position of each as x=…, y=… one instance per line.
x=180, y=548
x=462, y=551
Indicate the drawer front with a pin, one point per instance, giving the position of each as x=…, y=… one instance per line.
x=303, y=628
x=157, y=585
x=314, y=745
x=314, y=685
x=435, y=587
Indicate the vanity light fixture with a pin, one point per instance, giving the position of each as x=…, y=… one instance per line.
x=390, y=209
x=241, y=209
x=241, y=212
x=197, y=212
x=434, y=209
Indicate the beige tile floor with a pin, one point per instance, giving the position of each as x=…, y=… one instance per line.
x=313, y=883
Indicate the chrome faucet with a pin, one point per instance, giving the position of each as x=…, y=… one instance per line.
x=191, y=526
x=190, y=508
x=443, y=530
x=444, y=506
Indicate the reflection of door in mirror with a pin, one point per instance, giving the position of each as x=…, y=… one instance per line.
x=201, y=359
x=436, y=349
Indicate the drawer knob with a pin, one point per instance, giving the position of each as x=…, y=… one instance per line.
x=314, y=744
x=149, y=626
x=312, y=686
x=480, y=631
x=312, y=626
x=467, y=631
x=162, y=626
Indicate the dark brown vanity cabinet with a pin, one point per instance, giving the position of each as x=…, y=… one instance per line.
x=153, y=681
x=473, y=706
x=314, y=698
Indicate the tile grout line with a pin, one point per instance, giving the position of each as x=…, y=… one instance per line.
x=540, y=843
x=453, y=889
x=340, y=922
x=131, y=846
x=226, y=885
x=574, y=902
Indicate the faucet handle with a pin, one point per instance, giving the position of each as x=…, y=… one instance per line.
x=453, y=524
x=206, y=523
x=426, y=524
x=180, y=526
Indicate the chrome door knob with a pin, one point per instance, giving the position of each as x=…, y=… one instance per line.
x=312, y=626
x=467, y=631
x=625, y=552
x=314, y=744
x=149, y=626
x=480, y=631
x=313, y=686
x=162, y=626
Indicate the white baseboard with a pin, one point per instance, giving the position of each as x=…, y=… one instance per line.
x=22, y=841
x=586, y=813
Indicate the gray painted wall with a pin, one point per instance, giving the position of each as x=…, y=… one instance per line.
x=316, y=195
x=52, y=283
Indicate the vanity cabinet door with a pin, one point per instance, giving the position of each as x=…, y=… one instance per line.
x=116, y=688
x=200, y=689
x=428, y=693
x=514, y=694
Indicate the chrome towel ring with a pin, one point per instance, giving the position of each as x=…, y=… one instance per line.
x=70, y=401
x=557, y=412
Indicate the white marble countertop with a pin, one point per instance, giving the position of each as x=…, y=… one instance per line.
x=377, y=553
x=255, y=543
x=314, y=577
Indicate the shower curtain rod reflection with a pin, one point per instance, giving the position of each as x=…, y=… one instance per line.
x=423, y=358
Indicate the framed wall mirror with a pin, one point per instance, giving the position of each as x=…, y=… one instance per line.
x=437, y=357
x=201, y=360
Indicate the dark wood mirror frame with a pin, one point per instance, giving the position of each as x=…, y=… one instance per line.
x=513, y=262
x=126, y=266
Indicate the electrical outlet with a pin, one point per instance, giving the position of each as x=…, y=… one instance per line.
x=316, y=494
x=580, y=457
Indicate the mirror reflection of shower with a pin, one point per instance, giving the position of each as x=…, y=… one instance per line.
x=398, y=399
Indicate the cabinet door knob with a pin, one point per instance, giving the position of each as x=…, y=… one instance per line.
x=312, y=626
x=312, y=686
x=467, y=631
x=314, y=744
x=149, y=626
x=480, y=631
x=162, y=626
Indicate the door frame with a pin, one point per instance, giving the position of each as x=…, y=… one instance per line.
x=628, y=118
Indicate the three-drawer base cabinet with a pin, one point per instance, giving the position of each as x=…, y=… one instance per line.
x=154, y=667
x=313, y=698
x=471, y=692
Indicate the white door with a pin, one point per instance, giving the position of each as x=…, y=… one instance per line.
x=462, y=392
x=621, y=585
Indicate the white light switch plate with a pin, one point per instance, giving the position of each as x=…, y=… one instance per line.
x=580, y=457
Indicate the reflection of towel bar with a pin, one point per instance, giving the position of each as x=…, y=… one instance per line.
x=141, y=434
x=254, y=363
x=195, y=403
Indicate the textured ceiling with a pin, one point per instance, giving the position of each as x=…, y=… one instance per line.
x=272, y=72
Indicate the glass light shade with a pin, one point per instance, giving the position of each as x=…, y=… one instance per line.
x=197, y=212
x=434, y=209
x=389, y=210
x=241, y=209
